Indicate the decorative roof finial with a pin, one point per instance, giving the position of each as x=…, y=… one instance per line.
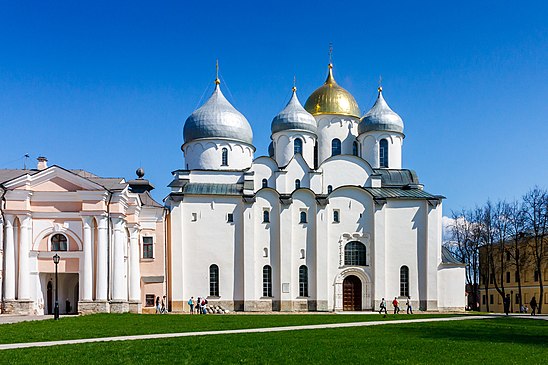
x=217, y=81
x=330, y=54
x=380, y=84
x=294, y=84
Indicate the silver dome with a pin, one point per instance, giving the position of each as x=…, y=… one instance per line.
x=294, y=117
x=380, y=118
x=217, y=118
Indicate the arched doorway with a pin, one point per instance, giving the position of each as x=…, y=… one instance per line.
x=352, y=293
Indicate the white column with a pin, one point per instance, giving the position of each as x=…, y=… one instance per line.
x=24, y=247
x=135, y=272
x=118, y=270
x=101, y=286
x=9, y=256
x=87, y=271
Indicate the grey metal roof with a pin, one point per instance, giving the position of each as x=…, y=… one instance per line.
x=10, y=174
x=148, y=200
x=447, y=257
x=217, y=118
x=397, y=177
x=213, y=189
x=294, y=117
x=398, y=193
x=380, y=118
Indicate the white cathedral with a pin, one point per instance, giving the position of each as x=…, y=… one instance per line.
x=329, y=221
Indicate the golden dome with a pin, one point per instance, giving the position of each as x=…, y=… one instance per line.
x=330, y=98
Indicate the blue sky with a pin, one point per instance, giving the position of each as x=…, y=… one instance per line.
x=106, y=86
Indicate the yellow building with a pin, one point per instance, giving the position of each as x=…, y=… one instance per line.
x=490, y=298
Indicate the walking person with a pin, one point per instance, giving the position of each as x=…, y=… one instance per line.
x=163, y=310
x=533, y=304
x=395, y=304
x=408, y=305
x=199, y=305
x=506, y=302
x=383, y=307
x=191, y=305
x=157, y=305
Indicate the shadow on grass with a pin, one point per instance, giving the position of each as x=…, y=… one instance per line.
x=495, y=330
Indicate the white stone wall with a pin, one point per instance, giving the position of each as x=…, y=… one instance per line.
x=451, y=287
x=206, y=154
x=284, y=146
x=335, y=126
x=370, y=148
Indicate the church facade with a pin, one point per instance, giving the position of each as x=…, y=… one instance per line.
x=328, y=221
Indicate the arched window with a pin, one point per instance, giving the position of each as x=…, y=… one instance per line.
x=383, y=153
x=355, y=149
x=303, y=281
x=224, y=157
x=354, y=254
x=214, y=280
x=59, y=243
x=265, y=252
x=297, y=184
x=303, y=217
x=336, y=216
x=329, y=189
x=404, y=281
x=266, y=216
x=298, y=146
x=265, y=183
x=267, y=281
x=335, y=147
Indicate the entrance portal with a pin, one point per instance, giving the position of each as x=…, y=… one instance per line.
x=352, y=293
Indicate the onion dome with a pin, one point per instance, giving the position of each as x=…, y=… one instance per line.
x=330, y=98
x=294, y=117
x=381, y=118
x=217, y=118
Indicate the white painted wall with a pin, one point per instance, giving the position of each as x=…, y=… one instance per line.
x=370, y=148
x=284, y=146
x=335, y=126
x=206, y=154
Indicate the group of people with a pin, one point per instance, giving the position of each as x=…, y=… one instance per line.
x=198, y=306
x=396, y=306
x=523, y=309
x=161, y=305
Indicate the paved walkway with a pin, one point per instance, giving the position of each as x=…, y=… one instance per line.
x=227, y=332
x=8, y=318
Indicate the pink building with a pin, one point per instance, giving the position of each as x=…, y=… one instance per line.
x=109, y=233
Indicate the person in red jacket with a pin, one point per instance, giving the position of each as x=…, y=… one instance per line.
x=395, y=304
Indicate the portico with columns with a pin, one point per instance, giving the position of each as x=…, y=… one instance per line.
x=93, y=224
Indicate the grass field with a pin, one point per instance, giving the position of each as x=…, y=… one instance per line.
x=107, y=325
x=491, y=341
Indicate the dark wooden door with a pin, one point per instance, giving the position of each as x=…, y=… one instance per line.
x=352, y=294
x=50, y=298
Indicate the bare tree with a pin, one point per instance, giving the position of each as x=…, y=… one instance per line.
x=464, y=246
x=518, y=255
x=536, y=219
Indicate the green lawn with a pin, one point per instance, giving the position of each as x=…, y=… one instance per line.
x=107, y=325
x=491, y=341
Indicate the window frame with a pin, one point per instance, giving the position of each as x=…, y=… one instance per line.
x=51, y=243
x=297, y=146
x=224, y=156
x=336, y=147
x=383, y=153
x=267, y=281
x=303, y=281
x=355, y=254
x=266, y=215
x=214, y=280
x=303, y=216
x=404, y=281
x=337, y=216
x=143, y=244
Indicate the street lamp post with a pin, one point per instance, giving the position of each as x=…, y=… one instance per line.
x=56, y=259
